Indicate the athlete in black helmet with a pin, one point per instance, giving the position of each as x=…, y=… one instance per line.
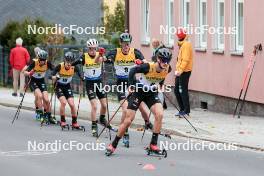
x=63, y=74
x=124, y=59
x=37, y=70
x=153, y=75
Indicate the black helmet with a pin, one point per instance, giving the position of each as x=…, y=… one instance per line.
x=42, y=55
x=69, y=57
x=164, y=54
x=125, y=37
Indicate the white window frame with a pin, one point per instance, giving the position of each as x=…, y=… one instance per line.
x=217, y=45
x=185, y=22
x=235, y=47
x=239, y=47
x=145, y=37
x=169, y=21
x=201, y=44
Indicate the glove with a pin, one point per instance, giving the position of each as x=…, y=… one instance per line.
x=138, y=62
x=31, y=73
x=101, y=51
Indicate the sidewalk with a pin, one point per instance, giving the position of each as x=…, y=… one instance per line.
x=245, y=132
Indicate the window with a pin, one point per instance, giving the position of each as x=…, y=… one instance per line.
x=219, y=22
x=145, y=22
x=237, y=39
x=169, y=20
x=185, y=13
x=202, y=24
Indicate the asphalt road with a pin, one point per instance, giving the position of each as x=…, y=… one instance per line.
x=16, y=159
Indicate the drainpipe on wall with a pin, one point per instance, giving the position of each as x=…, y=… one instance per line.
x=127, y=15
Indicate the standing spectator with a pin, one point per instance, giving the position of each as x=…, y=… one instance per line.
x=36, y=51
x=156, y=45
x=19, y=57
x=183, y=72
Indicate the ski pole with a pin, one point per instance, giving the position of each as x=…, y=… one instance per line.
x=243, y=84
x=104, y=82
x=145, y=128
x=80, y=95
x=20, y=104
x=179, y=110
x=114, y=115
x=257, y=48
x=52, y=93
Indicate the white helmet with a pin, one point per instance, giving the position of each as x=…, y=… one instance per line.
x=92, y=43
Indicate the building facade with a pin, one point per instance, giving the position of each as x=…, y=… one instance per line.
x=220, y=59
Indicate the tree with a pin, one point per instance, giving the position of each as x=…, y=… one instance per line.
x=114, y=23
x=15, y=29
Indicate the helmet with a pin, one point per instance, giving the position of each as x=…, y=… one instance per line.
x=181, y=34
x=42, y=55
x=69, y=57
x=92, y=43
x=125, y=37
x=164, y=54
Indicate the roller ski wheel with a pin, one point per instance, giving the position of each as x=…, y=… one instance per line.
x=64, y=126
x=109, y=150
x=76, y=126
x=153, y=150
x=126, y=141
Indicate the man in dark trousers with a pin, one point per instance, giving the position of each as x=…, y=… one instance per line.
x=183, y=72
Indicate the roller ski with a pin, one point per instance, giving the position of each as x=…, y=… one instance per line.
x=126, y=140
x=76, y=126
x=64, y=126
x=109, y=150
x=153, y=150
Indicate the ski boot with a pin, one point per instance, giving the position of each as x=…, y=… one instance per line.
x=126, y=140
x=43, y=120
x=76, y=126
x=155, y=151
x=64, y=125
x=37, y=117
x=94, y=130
x=109, y=150
x=51, y=120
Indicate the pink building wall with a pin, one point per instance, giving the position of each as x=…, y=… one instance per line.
x=212, y=73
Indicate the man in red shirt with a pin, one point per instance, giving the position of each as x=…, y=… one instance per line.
x=19, y=57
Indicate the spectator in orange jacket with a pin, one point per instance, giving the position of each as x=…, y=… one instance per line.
x=183, y=72
x=19, y=57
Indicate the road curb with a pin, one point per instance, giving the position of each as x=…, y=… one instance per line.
x=168, y=131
